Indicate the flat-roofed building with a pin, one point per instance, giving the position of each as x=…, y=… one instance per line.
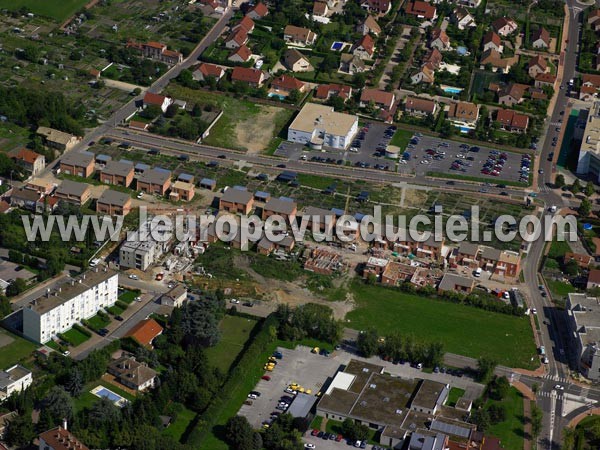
x=583, y=315
x=14, y=379
x=113, y=203
x=57, y=310
x=321, y=126
x=589, y=152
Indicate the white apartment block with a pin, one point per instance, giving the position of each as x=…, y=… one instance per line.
x=14, y=379
x=140, y=250
x=68, y=303
x=589, y=153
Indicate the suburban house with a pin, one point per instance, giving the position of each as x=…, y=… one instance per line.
x=512, y=121
x=281, y=207
x=30, y=161
x=113, y=203
x=25, y=198
x=381, y=99
x=14, y=379
x=248, y=75
x=377, y=6
x=512, y=94
x=157, y=100
x=266, y=247
x=536, y=66
x=175, y=296
x=422, y=10
x=369, y=26
x=320, y=125
x=351, y=64
x=236, y=201
x=138, y=126
x=590, y=84
x=593, y=280
x=73, y=192
x=57, y=139
x=326, y=91
x=320, y=9
x=298, y=35
x=258, y=11
x=296, y=62
x=319, y=220
x=157, y=51
x=206, y=71
x=504, y=26
x=240, y=55
x=237, y=38
x=285, y=84
x=364, y=48
x=431, y=62
x=461, y=113
x=420, y=107
x=582, y=260
x=117, y=172
x=246, y=23
x=463, y=18
x=145, y=331
x=60, y=438
x=492, y=41
x=495, y=60
x=439, y=39
x=154, y=181
x=133, y=374
x=182, y=190
x=540, y=38
x=41, y=186
x=77, y=163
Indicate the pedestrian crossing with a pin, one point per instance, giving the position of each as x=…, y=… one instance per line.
x=548, y=394
x=556, y=124
x=555, y=378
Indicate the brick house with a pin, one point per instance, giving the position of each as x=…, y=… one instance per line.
x=117, y=173
x=154, y=181
x=77, y=163
x=236, y=201
x=113, y=203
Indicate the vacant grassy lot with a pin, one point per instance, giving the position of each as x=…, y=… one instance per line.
x=75, y=337
x=244, y=125
x=178, y=427
x=510, y=431
x=13, y=349
x=464, y=330
x=401, y=139
x=55, y=9
x=235, y=331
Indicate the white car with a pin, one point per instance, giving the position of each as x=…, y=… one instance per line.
x=259, y=64
x=312, y=446
x=234, y=301
x=138, y=299
x=252, y=396
x=284, y=404
x=140, y=195
x=133, y=277
x=558, y=387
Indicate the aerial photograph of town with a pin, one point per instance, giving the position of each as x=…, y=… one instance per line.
x=300, y=224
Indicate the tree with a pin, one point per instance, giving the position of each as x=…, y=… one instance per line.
x=368, y=342
x=239, y=434
x=200, y=321
x=589, y=189
x=576, y=187
x=16, y=287
x=58, y=405
x=534, y=388
x=571, y=267
x=485, y=369
x=294, y=96
x=151, y=112
x=354, y=431
x=536, y=420
x=359, y=80
x=171, y=110
x=5, y=308
x=569, y=439
x=329, y=63
x=481, y=418
x=498, y=388
x=497, y=413
x=19, y=431
x=447, y=129
x=559, y=181
x=74, y=384
x=585, y=208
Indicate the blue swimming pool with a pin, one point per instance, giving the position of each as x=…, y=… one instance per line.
x=110, y=395
x=462, y=50
x=274, y=95
x=337, y=46
x=452, y=90
x=465, y=129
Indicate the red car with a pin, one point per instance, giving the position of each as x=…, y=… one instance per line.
x=314, y=432
x=266, y=378
x=339, y=438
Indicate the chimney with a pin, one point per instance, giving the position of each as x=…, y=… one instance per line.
x=64, y=424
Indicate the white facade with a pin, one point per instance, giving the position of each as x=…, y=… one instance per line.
x=140, y=250
x=14, y=379
x=589, y=153
x=78, y=299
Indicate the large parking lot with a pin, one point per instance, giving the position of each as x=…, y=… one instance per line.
x=430, y=154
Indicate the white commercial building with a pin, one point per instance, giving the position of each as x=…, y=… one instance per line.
x=140, y=250
x=320, y=126
x=14, y=379
x=589, y=154
x=57, y=310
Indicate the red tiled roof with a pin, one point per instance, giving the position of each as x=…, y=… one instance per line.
x=243, y=52
x=545, y=77
x=502, y=22
x=61, y=439
x=419, y=8
x=239, y=36
x=512, y=118
x=325, y=90
x=287, y=83
x=3, y=206
x=155, y=45
x=210, y=70
x=490, y=36
x=260, y=9
x=420, y=104
x=538, y=60
x=319, y=8
x=145, y=331
x=154, y=99
x=440, y=34
x=543, y=34
x=377, y=96
x=592, y=79
x=24, y=154
x=381, y=6
x=172, y=53
x=137, y=124
x=247, y=75
x=367, y=43
x=247, y=23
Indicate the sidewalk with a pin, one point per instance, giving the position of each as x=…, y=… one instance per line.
x=528, y=397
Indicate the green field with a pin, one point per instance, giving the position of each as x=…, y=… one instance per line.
x=401, y=139
x=510, y=431
x=97, y=322
x=464, y=330
x=13, y=349
x=75, y=337
x=178, y=427
x=129, y=296
x=587, y=434
x=235, y=331
x=55, y=9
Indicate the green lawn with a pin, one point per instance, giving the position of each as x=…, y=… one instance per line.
x=87, y=399
x=401, y=138
x=178, y=427
x=335, y=426
x=560, y=288
x=129, y=296
x=14, y=351
x=55, y=9
x=97, y=322
x=75, y=337
x=116, y=310
x=235, y=331
x=510, y=431
x=587, y=437
x=464, y=330
x=454, y=395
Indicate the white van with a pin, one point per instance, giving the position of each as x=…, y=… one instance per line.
x=477, y=272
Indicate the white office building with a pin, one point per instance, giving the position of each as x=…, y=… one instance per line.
x=58, y=309
x=589, y=154
x=14, y=379
x=320, y=126
x=140, y=250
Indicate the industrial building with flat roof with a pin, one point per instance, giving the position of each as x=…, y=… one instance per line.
x=320, y=126
x=589, y=153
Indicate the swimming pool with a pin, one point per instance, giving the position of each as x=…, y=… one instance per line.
x=337, y=46
x=102, y=392
x=451, y=90
x=279, y=96
x=465, y=129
